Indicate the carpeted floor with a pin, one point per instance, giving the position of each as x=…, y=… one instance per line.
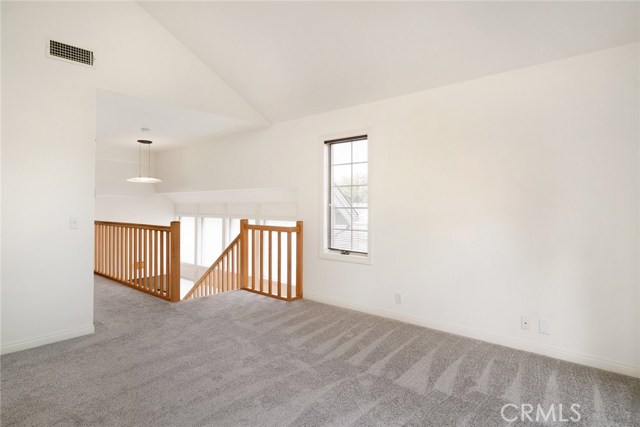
x=239, y=359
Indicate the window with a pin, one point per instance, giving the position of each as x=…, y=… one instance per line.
x=347, y=194
x=187, y=239
x=211, y=240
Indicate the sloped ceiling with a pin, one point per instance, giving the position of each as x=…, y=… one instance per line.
x=291, y=59
x=120, y=119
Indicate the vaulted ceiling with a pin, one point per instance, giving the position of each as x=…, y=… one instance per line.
x=284, y=60
x=291, y=59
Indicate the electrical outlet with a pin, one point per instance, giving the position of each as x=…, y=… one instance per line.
x=524, y=323
x=544, y=327
x=398, y=298
x=73, y=223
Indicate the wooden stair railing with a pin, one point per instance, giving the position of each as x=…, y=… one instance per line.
x=222, y=276
x=266, y=260
x=144, y=257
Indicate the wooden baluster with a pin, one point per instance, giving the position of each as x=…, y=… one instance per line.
x=147, y=260
x=103, y=231
x=175, y=261
x=154, y=257
x=270, y=263
x=253, y=259
x=279, y=264
x=116, y=259
x=96, y=260
x=110, y=256
x=235, y=266
x=116, y=247
x=128, y=256
x=261, y=249
x=115, y=251
x=145, y=255
x=140, y=263
x=221, y=274
x=107, y=254
x=220, y=281
x=163, y=280
x=299, y=242
x=150, y=283
x=103, y=244
x=150, y=255
x=232, y=257
x=168, y=266
x=289, y=264
x=123, y=255
x=119, y=253
x=243, y=254
x=130, y=264
x=226, y=271
x=156, y=272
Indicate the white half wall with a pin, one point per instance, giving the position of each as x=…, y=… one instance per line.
x=514, y=194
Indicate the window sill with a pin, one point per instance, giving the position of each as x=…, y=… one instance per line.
x=352, y=258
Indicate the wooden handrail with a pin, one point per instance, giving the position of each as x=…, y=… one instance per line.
x=273, y=228
x=133, y=225
x=144, y=257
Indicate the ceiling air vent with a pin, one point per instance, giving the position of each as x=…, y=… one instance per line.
x=70, y=53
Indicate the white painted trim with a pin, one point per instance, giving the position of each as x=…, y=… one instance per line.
x=516, y=343
x=47, y=339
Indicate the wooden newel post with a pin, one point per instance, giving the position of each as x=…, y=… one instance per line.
x=299, y=245
x=244, y=254
x=175, y=261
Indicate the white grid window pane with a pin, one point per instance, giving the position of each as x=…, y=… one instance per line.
x=360, y=151
x=348, y=220
x=341, y=154
x=341, y=175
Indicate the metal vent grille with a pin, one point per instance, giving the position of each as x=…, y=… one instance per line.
x=70, y=53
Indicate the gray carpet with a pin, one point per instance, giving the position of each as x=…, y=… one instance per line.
x=240, y=359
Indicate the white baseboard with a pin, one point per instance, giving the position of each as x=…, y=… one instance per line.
x=47, y=339
x=516, y=343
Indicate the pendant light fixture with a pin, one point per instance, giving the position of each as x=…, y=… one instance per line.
x=144, y=179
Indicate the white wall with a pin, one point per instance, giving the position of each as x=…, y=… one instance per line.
x=48, y=142
x=514, y=194
x=122, y=201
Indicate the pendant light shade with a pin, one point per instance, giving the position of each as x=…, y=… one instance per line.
x=144, y=179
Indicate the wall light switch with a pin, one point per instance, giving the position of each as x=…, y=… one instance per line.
x=73, y=223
